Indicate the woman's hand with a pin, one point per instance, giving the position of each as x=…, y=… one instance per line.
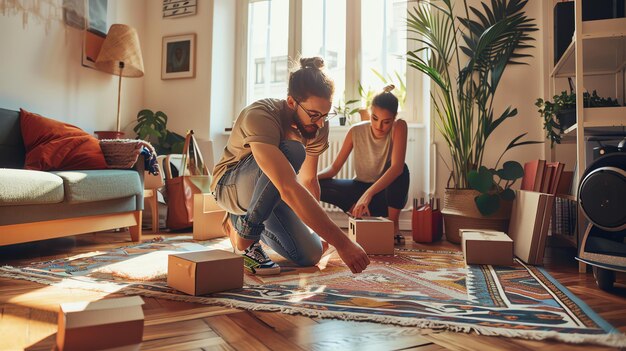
x=361, y=208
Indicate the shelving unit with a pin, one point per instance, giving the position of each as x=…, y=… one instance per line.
x=598, y=49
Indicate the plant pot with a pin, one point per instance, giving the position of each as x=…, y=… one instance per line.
x=106, y=134
x=342, y=120
x=567, y=117
x=460, y=212
x=365, y=114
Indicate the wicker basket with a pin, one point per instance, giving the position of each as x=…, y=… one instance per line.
x=460, y=212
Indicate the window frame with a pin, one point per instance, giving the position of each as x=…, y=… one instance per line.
x=417, y=105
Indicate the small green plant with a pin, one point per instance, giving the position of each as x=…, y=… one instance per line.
x=344, y=110
x=493, y=192
x=553, y=112
x=152, y=127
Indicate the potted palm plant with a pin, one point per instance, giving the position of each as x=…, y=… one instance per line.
x=466, y=56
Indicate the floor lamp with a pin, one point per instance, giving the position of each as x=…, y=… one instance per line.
x=120, y=55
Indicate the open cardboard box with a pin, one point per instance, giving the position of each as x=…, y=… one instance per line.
x=374, y=234
x=207, y=217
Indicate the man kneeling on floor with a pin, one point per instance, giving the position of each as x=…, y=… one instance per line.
x=255, y=180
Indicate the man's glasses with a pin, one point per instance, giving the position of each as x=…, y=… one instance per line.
x=316, y=116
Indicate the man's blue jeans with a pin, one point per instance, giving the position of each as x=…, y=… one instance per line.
x=266, y=216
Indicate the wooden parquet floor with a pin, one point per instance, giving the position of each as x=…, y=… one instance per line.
x=28, y=313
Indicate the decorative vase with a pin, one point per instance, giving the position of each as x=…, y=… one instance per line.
x=365, y=114
x=460, y=212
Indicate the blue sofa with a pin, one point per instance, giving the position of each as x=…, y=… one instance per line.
x=36, y=205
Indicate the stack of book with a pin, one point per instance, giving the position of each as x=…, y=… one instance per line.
x=544, y=206
x=545, y=177
x=564, y=218
x=530, y=219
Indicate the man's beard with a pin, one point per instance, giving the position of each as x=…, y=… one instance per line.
x=309, y=131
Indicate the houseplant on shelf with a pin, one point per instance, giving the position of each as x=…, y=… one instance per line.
x=152, y=126
x=560, y=113
x=466, y=56
x=344, y=110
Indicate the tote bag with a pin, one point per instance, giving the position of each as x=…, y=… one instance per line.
x=193, y=179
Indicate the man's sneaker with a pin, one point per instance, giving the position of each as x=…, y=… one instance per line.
x=257, y=262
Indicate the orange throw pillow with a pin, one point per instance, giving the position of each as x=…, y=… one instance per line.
x=52, y=145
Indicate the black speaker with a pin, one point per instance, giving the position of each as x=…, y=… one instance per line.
x=592, y=10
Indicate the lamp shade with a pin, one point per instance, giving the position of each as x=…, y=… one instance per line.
x=121, y=45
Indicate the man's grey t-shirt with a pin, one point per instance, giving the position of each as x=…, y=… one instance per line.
x=268, y=121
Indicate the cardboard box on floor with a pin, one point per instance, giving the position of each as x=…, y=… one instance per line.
x=207, y=217
x=374, y=234
x=104, y=324
x=205, y=272
x=486, y=247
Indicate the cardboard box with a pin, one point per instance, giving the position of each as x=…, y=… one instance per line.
x=205, y=272
x=486, y=247
x=374, y=234
x=111, y=323
x=207, y=217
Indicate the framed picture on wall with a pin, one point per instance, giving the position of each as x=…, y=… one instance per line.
x=96, y=22
x=179, y=56
x=178, y=8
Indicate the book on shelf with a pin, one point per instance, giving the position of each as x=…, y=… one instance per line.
x=533, y=175
x=564, y=185
x=530, y=220
x=556, y=171
x=544, y=177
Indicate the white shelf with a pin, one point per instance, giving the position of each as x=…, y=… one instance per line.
x=600, y=120
x=604, y=49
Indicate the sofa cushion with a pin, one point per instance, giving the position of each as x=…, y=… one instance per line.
x=11, y=144
x=97, y=185
x=23, y=187
x=54, y=145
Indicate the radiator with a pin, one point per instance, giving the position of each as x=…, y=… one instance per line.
x=416, y=160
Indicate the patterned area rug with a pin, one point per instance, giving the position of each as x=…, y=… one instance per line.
x=428, y=289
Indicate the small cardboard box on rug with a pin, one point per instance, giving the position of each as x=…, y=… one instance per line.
x=482, y=246
x=105, y=324
x=207, y=217
x=205, y=272
x=374, y=234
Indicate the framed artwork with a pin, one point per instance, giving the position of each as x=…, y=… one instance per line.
x=179, y=56
x=179, y=8
x=74, y=13
x=96, y=23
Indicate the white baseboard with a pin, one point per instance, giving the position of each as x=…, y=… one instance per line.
x=341, y=219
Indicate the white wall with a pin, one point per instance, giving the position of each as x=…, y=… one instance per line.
x=222, y=78
x=520, y=86
x=41, y=66
x=186, y=101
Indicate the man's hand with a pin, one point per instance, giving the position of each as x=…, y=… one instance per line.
x=353, y=255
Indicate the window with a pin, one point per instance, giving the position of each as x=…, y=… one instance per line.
x=363, y=42
x=268, y=23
